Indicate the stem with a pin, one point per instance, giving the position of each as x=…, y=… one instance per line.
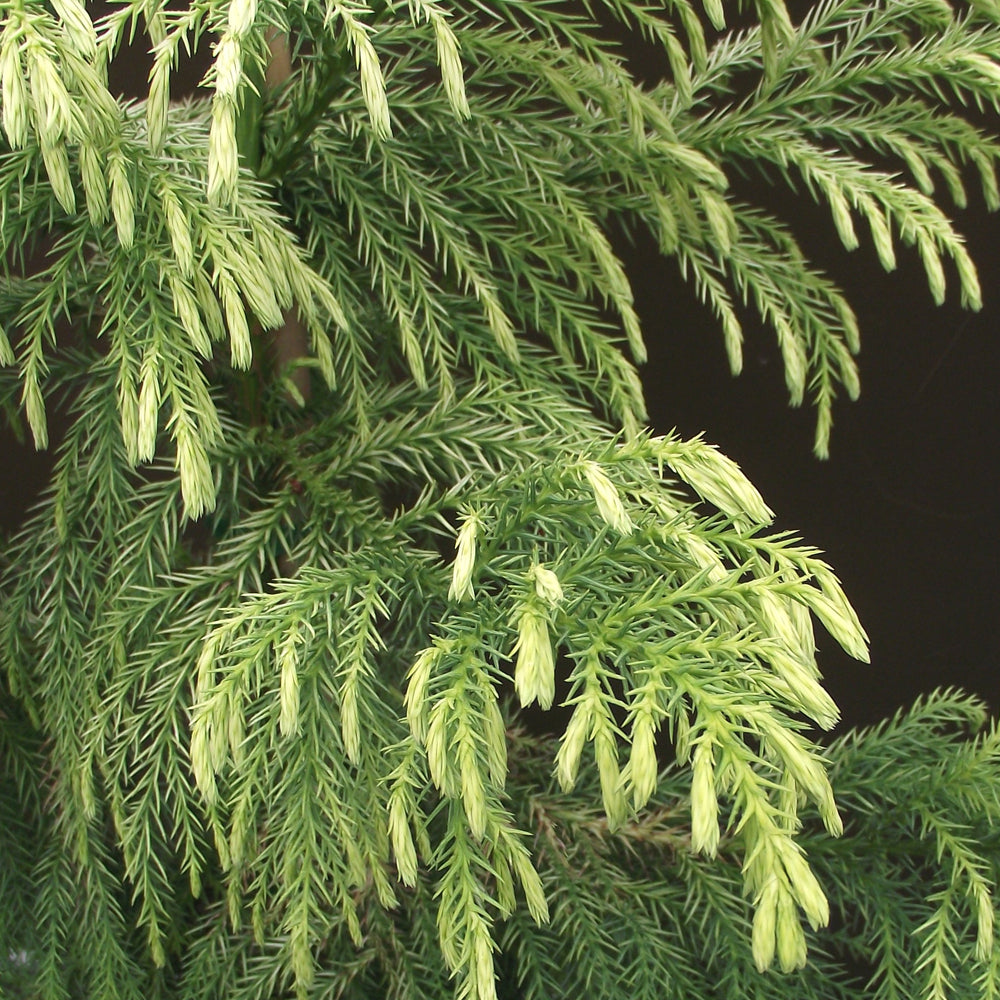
x=275, y=166
x=279, y=66
x=290, y=343
x=333, y=82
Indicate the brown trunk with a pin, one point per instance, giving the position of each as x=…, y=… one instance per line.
x=290, y=343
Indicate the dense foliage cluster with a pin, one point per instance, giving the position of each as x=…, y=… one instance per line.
x=354, y=470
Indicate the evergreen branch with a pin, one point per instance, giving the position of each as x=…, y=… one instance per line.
x=264, y=652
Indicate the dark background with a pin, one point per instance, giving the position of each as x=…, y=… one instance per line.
x=907, y=508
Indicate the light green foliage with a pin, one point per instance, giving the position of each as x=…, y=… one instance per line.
x=265, y=649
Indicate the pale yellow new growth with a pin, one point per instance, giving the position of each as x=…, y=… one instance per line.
x=122, y=197
x=6, y=351
x=841, y=212
x=609, y=503
x=366, y=59
x=149, y=406
x=178, y=229
x=194, y=467
x=402, y=841
x=415, y=698
x=716, y=478
x=158, y=101
x=34, y=408
x=14, y=106
x=451, y=65
x=704, y=802
x=931, y=259
x=448, y=52
x=534, y=669
x=288, y=666
x=643, y=766
x=228, y=66
x=765, y=920
x=465, y=560
x=835, y=612
x=223, y=153
x=95, y=183
x=794, y=359
x=241, y=349
x=547, y=585
x=242, y=14
x=77, y=25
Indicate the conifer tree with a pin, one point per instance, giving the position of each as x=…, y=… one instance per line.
x=355, y=470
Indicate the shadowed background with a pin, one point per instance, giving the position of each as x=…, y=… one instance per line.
x=907, y=507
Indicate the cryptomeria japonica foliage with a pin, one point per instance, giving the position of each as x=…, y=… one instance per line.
x=354, y=468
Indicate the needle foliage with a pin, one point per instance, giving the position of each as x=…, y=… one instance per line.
x=351, y=469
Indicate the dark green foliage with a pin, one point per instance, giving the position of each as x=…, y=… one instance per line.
x=354, y=471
